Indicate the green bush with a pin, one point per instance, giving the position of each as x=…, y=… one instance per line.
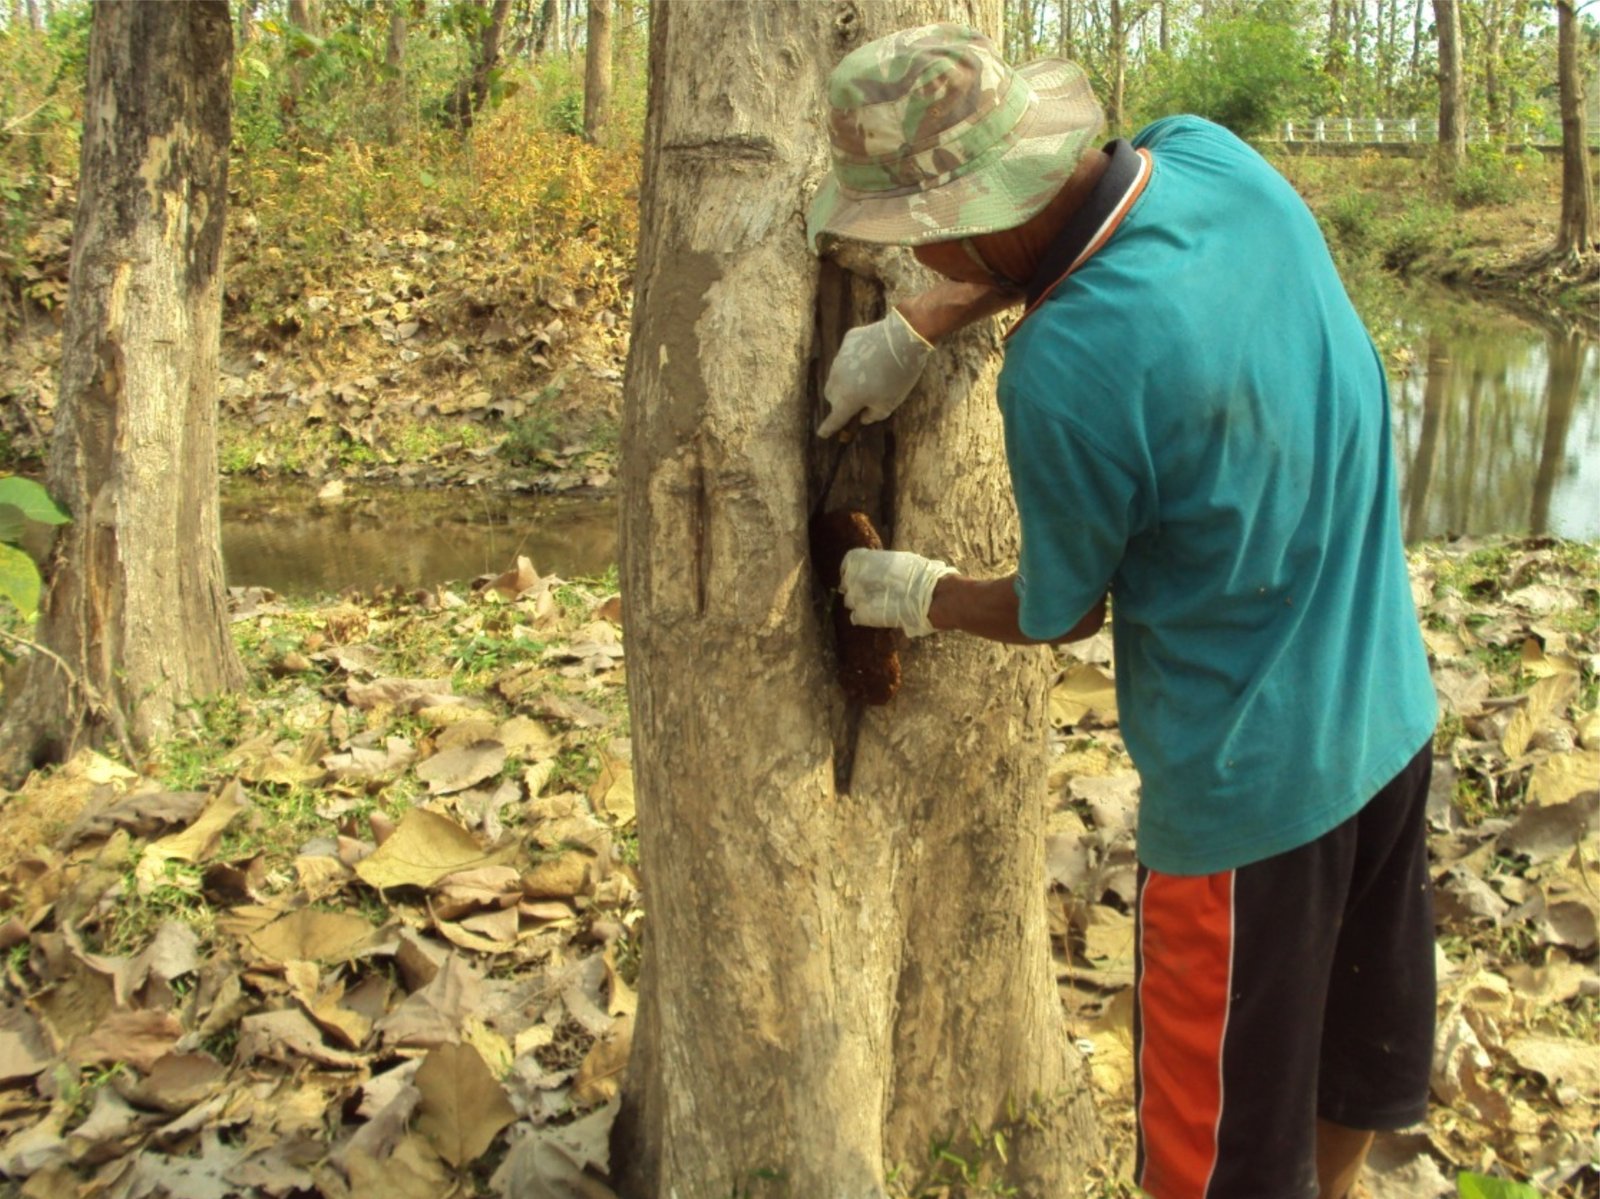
x=1246, y=73
x=1490, y=176
x=1349, y=218
x=1421, y=231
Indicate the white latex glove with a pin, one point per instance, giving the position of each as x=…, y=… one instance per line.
x=875, y=369
x=889, y=589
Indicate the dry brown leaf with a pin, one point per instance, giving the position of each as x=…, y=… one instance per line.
x=1108, y=936
x=600, y=1075
x=137, y=1038
x=436, y=1013
x=286, y=1035
x=199, y=840
x=612, y=793
x=560, y=877
x=309, y=935
x=174, y=1083
x=472, y=890
x=24, y=1052
x=423, y=849
x=1085, y=689
x=478, y=942
x=1570, y=1067
x=408, y=695
x=321, y=876
x=413, y=1171
x=1546, y=699
x=463, y=1108
x=1563, y=776
x=140, y=814
x=462, y=767
x=527, y=738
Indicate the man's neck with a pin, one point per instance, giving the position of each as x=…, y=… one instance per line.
x=1016, y=253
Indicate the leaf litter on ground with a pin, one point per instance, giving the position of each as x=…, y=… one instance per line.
x=373, y=928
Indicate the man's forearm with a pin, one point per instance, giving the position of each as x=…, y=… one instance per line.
x=990, y=608
x=948, y=306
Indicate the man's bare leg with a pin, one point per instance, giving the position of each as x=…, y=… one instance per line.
x=1341, y=1152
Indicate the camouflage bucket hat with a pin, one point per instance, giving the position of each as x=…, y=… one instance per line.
x=935, y=137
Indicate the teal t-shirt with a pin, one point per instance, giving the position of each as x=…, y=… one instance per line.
x=1197, y=420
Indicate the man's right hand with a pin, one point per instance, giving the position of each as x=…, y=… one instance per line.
x=875, y=369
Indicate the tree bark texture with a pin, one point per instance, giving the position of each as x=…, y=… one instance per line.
x=305, y=15
x=136, y=605
x=1575, y=236
x=1452, y=85
x=846, y=952
x=597, y=70
x=473, y=91
x=394, y=64
x=549, y=34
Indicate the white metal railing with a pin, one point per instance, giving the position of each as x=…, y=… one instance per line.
x=1392, y=129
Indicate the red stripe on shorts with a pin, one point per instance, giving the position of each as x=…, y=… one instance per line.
x=1186, y=959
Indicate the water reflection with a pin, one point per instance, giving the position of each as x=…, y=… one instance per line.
x=1497, y=427
x=283, y=538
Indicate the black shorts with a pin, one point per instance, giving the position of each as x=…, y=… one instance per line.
x=1297, y=987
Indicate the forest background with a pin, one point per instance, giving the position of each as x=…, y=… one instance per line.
x=433, y=227
x=368, y=133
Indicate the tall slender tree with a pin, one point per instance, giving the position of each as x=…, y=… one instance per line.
x=1575, y=236
x=597, y=70
x=841, y=963
x=134, y=621
x=1452, y=85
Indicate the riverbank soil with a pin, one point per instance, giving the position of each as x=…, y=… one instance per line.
x=373, y=927
x=1490, y=231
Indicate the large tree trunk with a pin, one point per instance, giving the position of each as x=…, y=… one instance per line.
x=136, y=612
x=842, y=962
x=1452, y=86
x=597, y=70
x=1576, y=235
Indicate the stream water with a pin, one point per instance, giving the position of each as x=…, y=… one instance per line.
x=1497, y=430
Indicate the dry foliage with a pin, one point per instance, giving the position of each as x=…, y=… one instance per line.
x=375, y=931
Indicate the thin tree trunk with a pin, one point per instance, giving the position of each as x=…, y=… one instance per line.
x=35, y=21
x=597, y=71
x=1119, y=66
x=394, y=63
x=247, y=22
x=1416, y=38
x=136, y=612
x=1576, y=234
x=1334, y=57
x=836, y=970
x=1493, y=101
x=548, y=37
x=306, y=15
x=473, y=91
x=1452, y=86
